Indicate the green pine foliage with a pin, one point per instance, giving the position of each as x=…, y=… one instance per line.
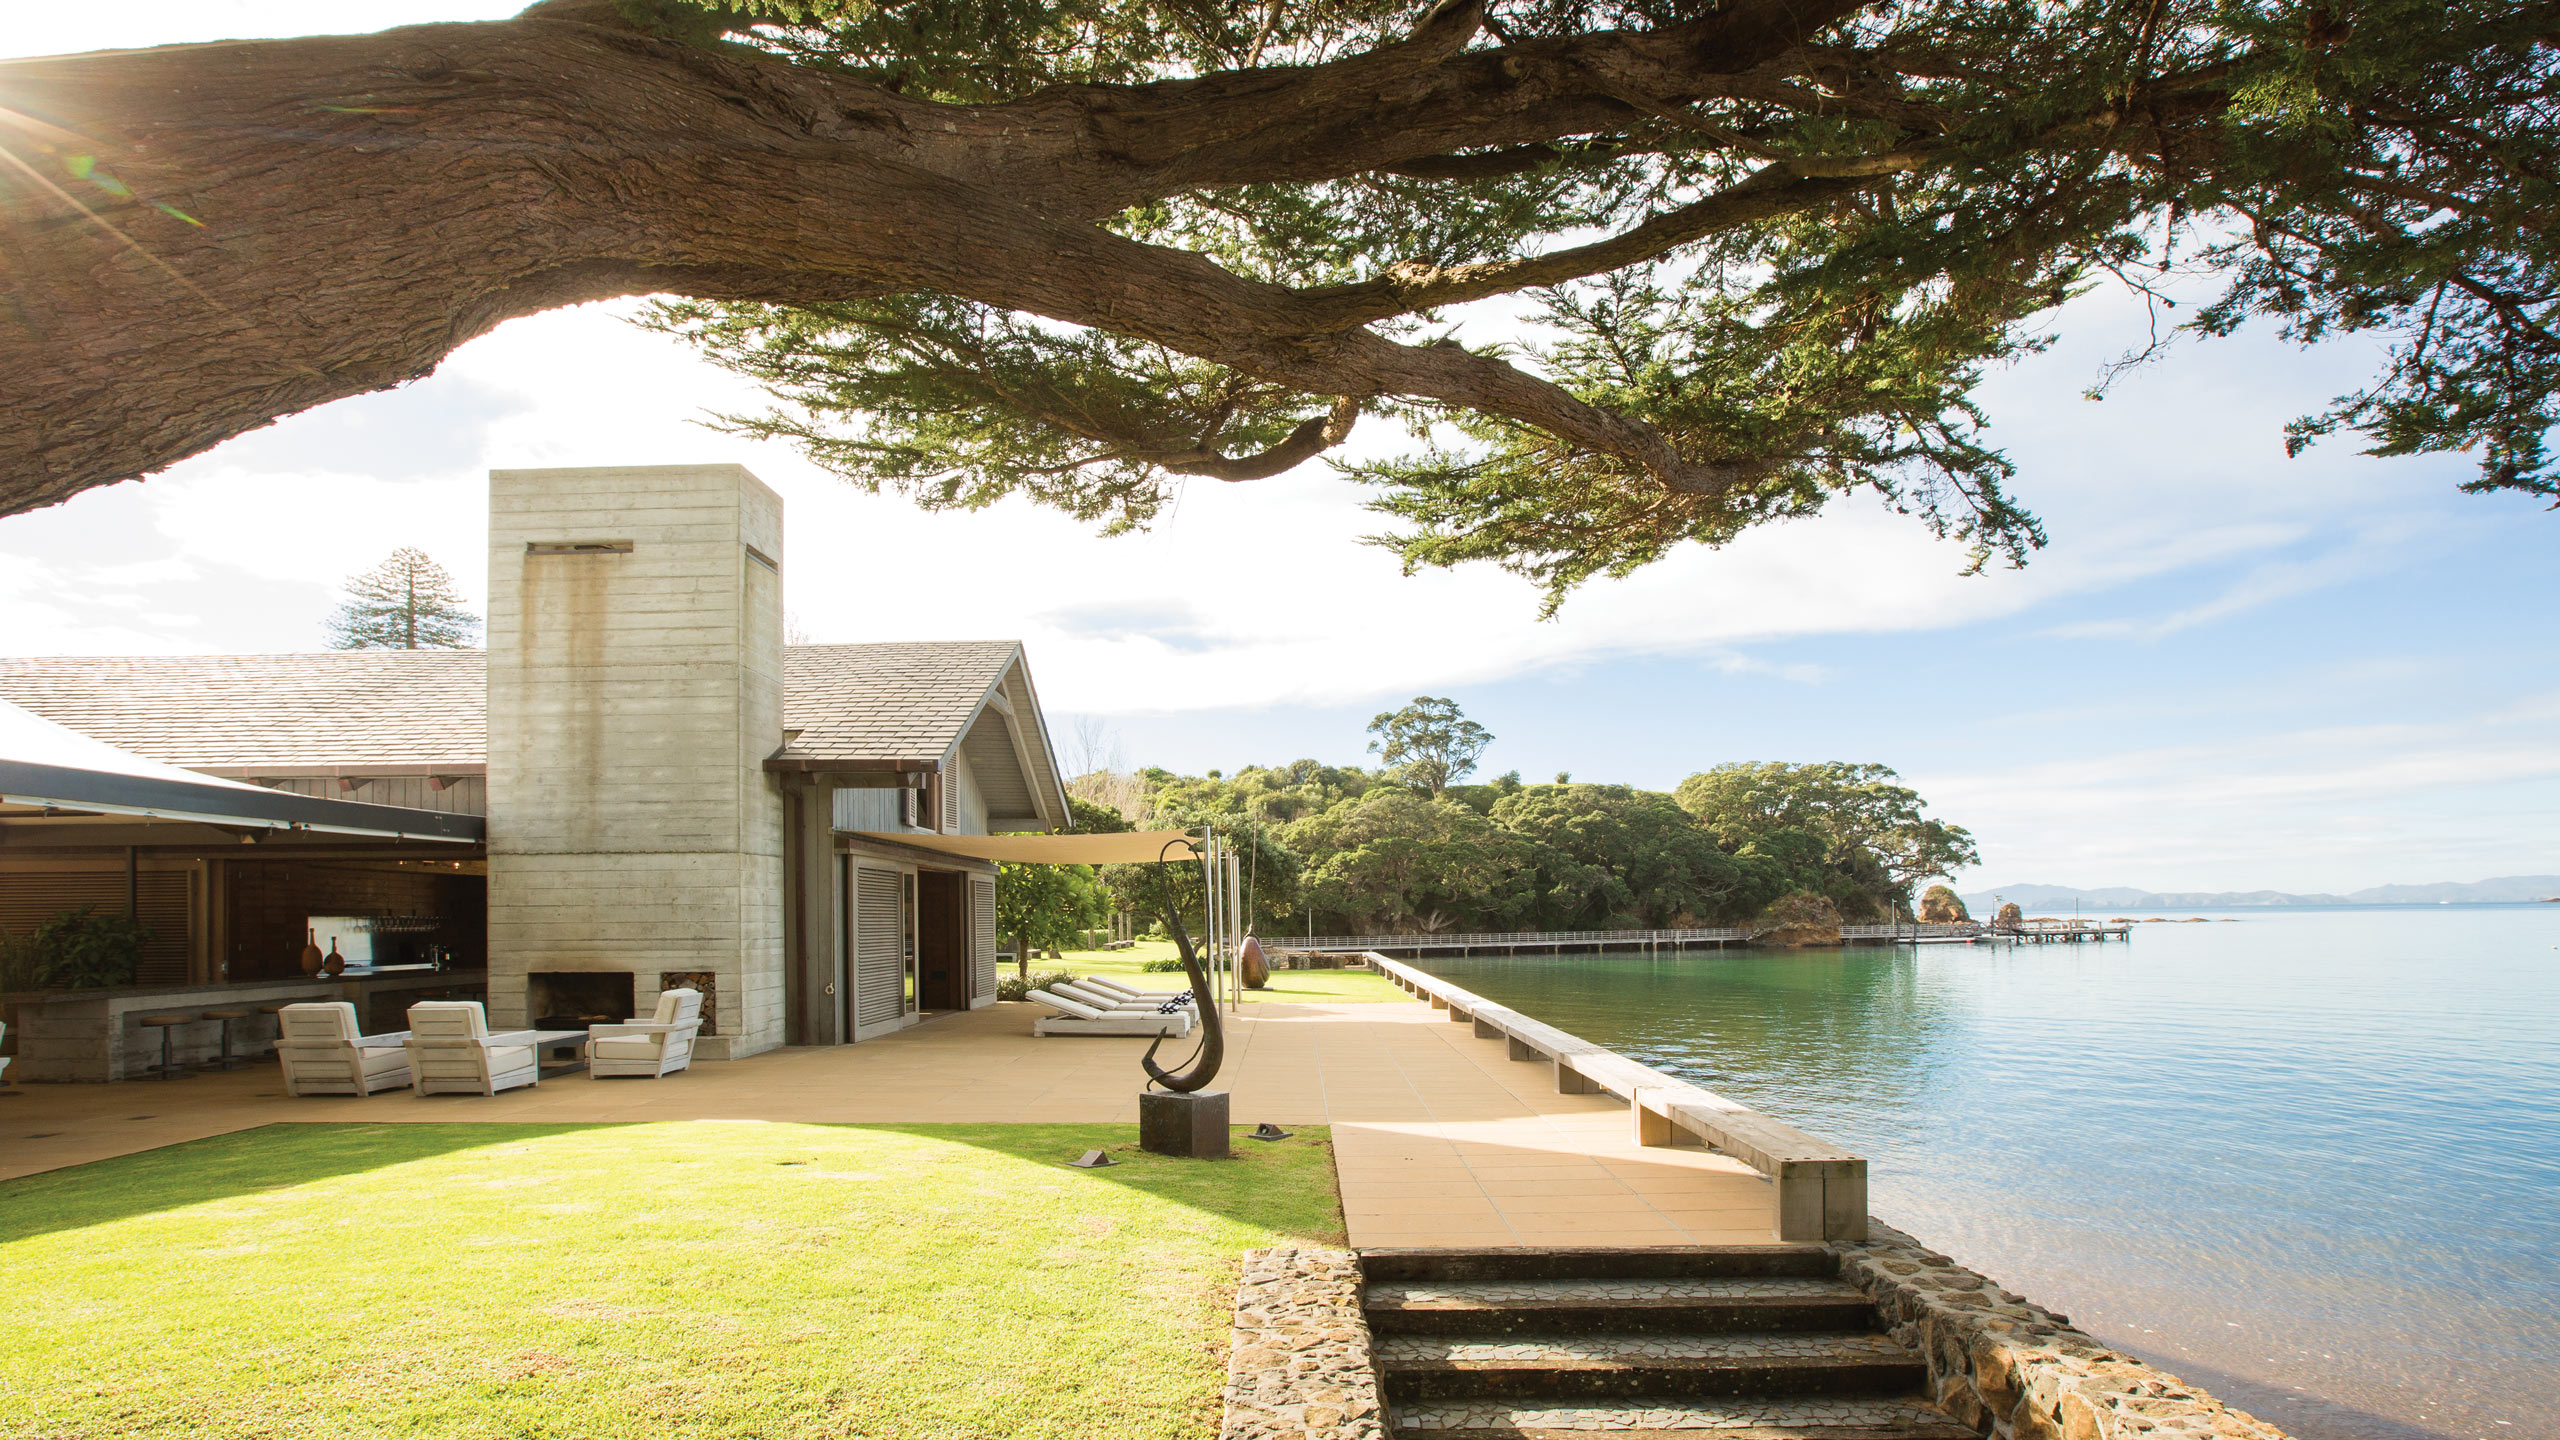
x=1795, y=277
x=408, y=602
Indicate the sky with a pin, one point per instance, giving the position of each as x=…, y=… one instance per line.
x=2229, y=670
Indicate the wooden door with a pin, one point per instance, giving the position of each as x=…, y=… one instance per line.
x=942, y=940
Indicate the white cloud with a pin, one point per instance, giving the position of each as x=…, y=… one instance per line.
x=2320, y=808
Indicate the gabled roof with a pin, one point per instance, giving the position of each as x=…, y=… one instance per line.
x=891, y=701
x=420, y=711
x=928, y=700
x=409, y=708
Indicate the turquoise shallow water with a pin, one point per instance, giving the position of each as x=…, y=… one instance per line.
x=2310, y=1159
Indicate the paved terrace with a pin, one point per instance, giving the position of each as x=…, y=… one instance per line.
x=1439, y=1138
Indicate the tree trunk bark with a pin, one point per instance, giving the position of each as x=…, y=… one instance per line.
x=198, y=240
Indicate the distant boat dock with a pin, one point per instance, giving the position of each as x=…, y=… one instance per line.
x=1553, y=942
x=2066, y=932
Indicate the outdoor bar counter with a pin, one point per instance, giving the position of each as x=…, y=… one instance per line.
x=94, y=1035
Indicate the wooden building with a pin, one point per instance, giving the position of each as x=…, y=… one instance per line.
x=662, y=792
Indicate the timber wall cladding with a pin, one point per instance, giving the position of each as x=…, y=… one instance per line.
x=269, y=900
x=466, y=795
x=879, y=986
x=30, y=898
x=982, y=937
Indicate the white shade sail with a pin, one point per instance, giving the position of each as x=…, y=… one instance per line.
x=1141, y=847
x=49, y=773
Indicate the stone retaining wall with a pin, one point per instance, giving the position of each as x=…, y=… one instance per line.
x=2017, y=1371
x=1300, y=1367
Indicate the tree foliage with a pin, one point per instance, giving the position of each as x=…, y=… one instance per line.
x=1805, y=259
x=1395, y=861
x=408, y=602
x=1336, y=848
x=1047, y=905
x=1613, y=855
x=1430, y=743
x=1865, y=837
x=1633, y=275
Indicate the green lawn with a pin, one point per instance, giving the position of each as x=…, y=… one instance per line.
x=1293, y=985
x=697, y=1279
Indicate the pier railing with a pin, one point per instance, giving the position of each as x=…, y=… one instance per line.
x=1822, y=1189
x=1465, y=941
x=1520, y=939
x=1933, y=930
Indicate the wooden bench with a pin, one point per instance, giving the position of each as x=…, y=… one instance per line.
x=1822, y=1189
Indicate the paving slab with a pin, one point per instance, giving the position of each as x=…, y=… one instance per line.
x=1439, y=1137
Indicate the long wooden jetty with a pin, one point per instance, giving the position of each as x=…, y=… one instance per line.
x=1551, y=942
x=1514, y=942
x=2066, y=932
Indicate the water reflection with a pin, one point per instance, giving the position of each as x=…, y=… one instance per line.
x=2312, y=1152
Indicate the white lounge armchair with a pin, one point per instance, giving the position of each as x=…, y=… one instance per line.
x=4, y=1059
x=323, y=1052
x=453, y=1053
x=1075, y=1017
x=1109, y=986
x=660, y=1045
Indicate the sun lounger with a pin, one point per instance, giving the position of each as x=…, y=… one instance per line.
x=1131, y=992
x=1101, y=999
x=1074, y=1017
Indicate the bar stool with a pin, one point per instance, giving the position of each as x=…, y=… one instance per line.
x=274, y=1012
x=167, y=1069
x=226, y=1016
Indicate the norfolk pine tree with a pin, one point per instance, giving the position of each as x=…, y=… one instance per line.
x=1078, y=252
x=407, y=602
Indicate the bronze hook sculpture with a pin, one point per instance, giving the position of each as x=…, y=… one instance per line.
x=1213, y=1041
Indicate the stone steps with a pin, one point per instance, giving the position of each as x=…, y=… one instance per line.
x=1594, y=1262
x=1728, y=1374
x=1587, y=1306
x=1744, y=1343
x=1685, y=1418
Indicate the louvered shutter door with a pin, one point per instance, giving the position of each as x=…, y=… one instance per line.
x=29, y=900
x=982, y=938
x=879, y=993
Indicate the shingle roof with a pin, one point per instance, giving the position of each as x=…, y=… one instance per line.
x=891, y=701
x=353, y=708
x=337, y=707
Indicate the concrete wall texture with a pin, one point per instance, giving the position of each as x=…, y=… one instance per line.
x=635, y=689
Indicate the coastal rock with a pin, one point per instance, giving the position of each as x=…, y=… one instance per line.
x=2016, y=1371
x=1796, y=920
x=1942, y=906
x=2009, y=918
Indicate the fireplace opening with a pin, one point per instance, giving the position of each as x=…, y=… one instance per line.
x=576, y=999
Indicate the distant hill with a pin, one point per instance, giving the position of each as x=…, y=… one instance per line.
x=2506, y=889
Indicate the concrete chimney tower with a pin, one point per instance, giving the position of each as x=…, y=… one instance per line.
x=635, y=690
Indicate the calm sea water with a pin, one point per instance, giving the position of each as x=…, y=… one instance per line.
x=2309, y=1159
